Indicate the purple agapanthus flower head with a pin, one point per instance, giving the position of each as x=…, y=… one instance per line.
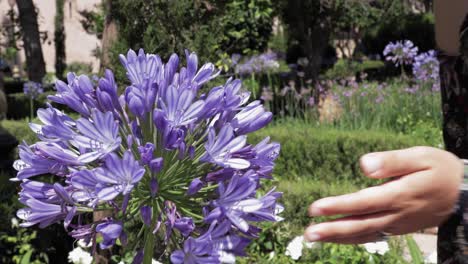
x=262, y=63
x=426, y=69
x=400, y=52
x=168, y=155
x=32, y=89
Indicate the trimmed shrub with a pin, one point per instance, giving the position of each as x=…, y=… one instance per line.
x=18, y=105
x=20, y=129
x=318, y=153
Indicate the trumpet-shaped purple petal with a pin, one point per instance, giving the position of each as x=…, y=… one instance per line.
x=195, y=251
x=110, y=231
x=99, y=136
x=142, y=67
x=42, y=213
x=119, y=176
x=251, y=118
x=221, y=149
x=78, y=94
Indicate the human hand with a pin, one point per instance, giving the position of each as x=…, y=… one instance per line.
x=422, y=192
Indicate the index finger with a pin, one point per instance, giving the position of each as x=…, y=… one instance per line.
x=366, y=201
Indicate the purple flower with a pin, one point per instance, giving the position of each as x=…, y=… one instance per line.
x=33, y=162
x=195, y=186
x=106, y=94
x=118, y=176
x=252, y=118
x=78, y=94
x=265, y=156
x=142, y=67
x=110, y=231
x=185, y=225
x=98, y=135
x=43, y=213
x=32, y=89
x=56, y=125
x=256, y=64
x=146, y=214
x=166, y=157
x=426, y=69
x=221, y=149
x=400, y=52
x=236, y=203
x=195, y=252
x=86, y=187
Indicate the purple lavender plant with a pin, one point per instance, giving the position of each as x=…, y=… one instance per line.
x=159, y=157
x=426, y=69
x=401, y=52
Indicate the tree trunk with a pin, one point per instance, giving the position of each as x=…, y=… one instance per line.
x=32, y=42
x=3, y=100
x=109, y=36
x=59, y=39
x=314, y=47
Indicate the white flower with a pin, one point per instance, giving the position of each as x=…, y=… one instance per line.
x=294, y=248
x=79, y=256
x=380, y=247
x=83, y=244
x=14, y=222
x=432, y=258
x=271, y=255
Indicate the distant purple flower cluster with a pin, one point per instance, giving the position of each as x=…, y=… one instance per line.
x=256, y=64
x=159, y=156
x=426, y=69
x=32, y=89
x=400, y=52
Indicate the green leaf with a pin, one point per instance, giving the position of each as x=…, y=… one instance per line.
x=414, y=250
x=26, y=259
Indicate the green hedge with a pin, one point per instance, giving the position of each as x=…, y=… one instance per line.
x=320, y=153
x=20, y=129
x=308, y=151
x=18, y=105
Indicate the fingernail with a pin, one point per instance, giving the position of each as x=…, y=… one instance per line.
x=315, y=211
x=311, y=234
x=371, y=163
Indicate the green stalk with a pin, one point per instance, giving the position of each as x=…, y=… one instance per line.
x=31, y=106
x=149, y=246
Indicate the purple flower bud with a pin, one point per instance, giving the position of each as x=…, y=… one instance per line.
x=156, y=165
x=146, y=214
x=123, y=239
x=129, y=141
x=138, y=259
x=191, y=152
x=153, y=187
x=195, y=186
x=146, y=152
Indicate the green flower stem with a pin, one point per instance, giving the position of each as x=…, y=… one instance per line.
x=149, y=246
x=149, y=236
x=31, y=108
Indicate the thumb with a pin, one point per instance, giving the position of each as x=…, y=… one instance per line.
x=396, y=163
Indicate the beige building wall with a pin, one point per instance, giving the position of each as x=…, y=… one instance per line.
x=79, y=44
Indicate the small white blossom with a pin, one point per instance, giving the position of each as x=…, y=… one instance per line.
x=79, y=256
x=294, y=248
x=380, y=247
x=14, y=222
x=271, y=255
x=83, y=244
